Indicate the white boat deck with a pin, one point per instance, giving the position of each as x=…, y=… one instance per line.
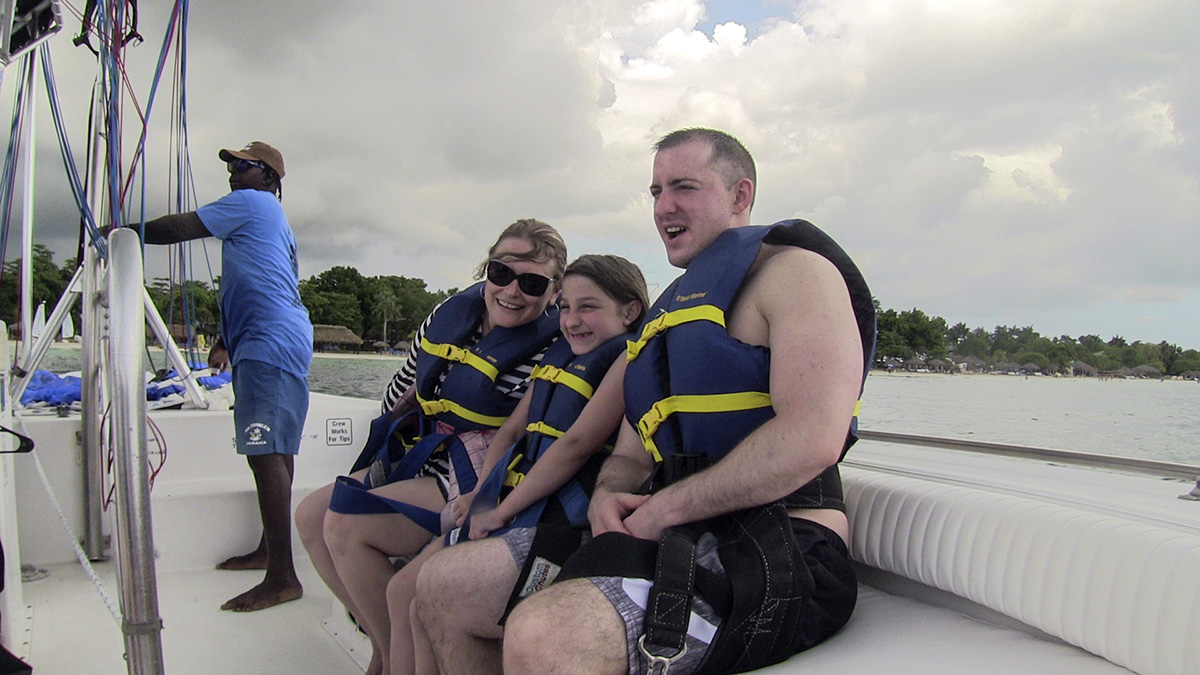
x=73, y=632
x=959, y=545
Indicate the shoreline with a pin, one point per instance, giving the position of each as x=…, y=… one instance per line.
x=904, y=373
x=370, y=356
x=882, y=372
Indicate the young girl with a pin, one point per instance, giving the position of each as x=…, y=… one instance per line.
x=566, y=426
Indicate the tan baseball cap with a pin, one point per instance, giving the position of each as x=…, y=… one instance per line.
x=256, y=151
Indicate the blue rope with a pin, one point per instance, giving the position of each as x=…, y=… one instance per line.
x=8, y=181
x=64, y=147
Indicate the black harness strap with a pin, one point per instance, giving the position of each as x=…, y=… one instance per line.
x=669, y=605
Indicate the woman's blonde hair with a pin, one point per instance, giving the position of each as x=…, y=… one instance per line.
x=548, y=246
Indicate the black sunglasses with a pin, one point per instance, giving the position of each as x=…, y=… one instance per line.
x=533, y=285
x=240, y=165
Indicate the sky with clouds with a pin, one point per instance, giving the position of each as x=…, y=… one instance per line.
x=1029, y=162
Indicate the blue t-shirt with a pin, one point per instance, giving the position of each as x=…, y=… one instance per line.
x=261, y=313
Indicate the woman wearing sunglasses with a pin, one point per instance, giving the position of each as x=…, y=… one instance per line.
x=574, y=404
x=468, y=368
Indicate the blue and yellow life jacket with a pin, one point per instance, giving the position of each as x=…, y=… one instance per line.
x=563, y=384
x=467, y=398
x=692, y=389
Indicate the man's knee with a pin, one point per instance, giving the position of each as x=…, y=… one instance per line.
x=572, y=613
x=462, y=581
x=531, y=631
x=437, y=583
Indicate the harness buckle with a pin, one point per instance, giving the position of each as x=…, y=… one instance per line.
x=659, y=665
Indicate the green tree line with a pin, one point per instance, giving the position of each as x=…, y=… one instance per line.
x=388, y=308
x=912, y=334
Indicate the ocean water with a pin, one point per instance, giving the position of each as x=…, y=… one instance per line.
x=1149, y=419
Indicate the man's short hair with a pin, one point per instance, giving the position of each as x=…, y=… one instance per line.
x=729, y=156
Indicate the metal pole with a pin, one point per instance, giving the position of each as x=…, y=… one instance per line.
x=53, y=325
x=92, y=331
x=1152, y=467
x=142, y=625
x=27, y=212
x=92, y=404
x=159, y=328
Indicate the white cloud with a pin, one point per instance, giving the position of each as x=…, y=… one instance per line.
x=984, y=161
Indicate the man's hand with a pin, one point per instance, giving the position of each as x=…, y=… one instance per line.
x=608, y=510
x=218, y=358
x=644, y=523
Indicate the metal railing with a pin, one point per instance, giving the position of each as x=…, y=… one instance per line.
x=141, y=624
x=1151, y=467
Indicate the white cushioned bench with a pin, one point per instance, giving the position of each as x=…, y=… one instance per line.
x=1023, y=586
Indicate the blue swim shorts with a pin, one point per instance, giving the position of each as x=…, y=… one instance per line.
x=269, y=408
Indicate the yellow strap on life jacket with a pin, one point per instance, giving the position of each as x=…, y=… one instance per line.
x=544, y=429
x=671, y=319
x=697, y=403
x=455, y=353
x=438, y=406
x=512, y=477
x=556, y=375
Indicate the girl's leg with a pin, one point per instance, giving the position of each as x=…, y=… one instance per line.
x=404, y=658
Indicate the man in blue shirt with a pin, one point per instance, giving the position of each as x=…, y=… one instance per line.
x=267, y=338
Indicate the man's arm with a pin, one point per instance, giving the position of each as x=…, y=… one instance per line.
x=625, y=471
x=800, y=300
x=174, y=228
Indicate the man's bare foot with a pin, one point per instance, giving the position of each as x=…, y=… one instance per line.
x=250, y=561
x=263, y=596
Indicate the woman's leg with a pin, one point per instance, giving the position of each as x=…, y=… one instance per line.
x=310, y=523
x=360, y=546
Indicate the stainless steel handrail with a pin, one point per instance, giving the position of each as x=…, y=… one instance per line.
x=141, y=625
x=1146, y=466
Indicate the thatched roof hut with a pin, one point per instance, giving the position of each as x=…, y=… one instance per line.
x=1006, y=367
x=1082, y=368
x=972, y=364
x=338, y=337
x=1146, y=370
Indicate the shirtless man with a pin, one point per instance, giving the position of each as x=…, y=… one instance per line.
x=774, y=439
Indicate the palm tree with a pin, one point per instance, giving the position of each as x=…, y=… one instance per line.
x=387, y=306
